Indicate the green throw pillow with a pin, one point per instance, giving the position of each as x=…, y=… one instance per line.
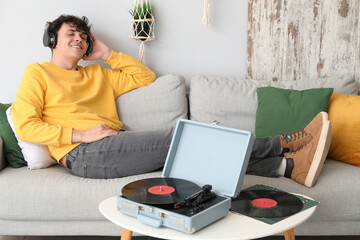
x=12, y=150
x=285, y=111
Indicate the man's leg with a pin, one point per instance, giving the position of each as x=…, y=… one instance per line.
x=267, y=167
x=266, y=147
x=266, y=157
x=127, y=153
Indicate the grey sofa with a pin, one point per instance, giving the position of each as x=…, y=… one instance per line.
x=52, y=201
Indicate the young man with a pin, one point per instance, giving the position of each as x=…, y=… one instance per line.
x=71, y=109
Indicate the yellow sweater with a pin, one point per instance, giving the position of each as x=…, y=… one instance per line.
x=52, y=101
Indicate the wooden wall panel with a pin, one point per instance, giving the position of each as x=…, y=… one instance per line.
x=301, y=39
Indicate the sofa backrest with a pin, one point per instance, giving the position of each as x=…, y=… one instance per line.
x=233, y=101
x=156, y=106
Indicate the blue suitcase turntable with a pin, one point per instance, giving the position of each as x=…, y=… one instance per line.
x=204, y=169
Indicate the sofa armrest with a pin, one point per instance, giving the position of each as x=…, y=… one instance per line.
x=2, y=158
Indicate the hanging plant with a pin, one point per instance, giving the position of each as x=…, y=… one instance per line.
x=143, y=24
x=143, y=21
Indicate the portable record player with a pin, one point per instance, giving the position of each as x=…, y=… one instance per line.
x=204, y=169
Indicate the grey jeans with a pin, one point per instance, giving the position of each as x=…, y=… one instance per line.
x=131, y=153
x=125, y=154
x=266, y=157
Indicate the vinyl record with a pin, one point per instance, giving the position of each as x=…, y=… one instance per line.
x=266, y=203
x=156, y=191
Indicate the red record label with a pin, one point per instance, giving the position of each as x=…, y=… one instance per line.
x=264, y=202
x=161, y=190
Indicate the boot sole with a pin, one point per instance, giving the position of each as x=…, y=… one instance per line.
x=325, y=117
x=321, y=152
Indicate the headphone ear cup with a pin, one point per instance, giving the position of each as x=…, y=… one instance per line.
x=49, y=38
x=89, y=42
x=53, y=39
x=46, y=37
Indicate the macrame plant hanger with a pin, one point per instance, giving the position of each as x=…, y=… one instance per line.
x=206, y=15
x=143, y=24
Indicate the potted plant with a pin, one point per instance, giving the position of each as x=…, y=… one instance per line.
x=143, y=20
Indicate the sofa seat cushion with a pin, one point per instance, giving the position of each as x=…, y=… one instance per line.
x=55, y=194
x=337, y=190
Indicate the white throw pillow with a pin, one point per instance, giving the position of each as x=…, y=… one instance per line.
x=37, y=156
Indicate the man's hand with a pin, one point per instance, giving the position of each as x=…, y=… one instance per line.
x=99, y=51
x=93, y=134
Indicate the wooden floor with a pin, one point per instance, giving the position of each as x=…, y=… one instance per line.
x=150, y=238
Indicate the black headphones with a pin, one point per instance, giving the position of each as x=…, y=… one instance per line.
x=50, y=40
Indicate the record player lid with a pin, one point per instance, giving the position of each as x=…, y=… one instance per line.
x=209, y=154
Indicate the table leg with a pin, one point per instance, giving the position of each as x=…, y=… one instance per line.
x=289, y=234
x=126, y=234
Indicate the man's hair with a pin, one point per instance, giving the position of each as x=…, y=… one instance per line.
x=81, y=24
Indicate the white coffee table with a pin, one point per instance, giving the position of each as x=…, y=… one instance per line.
x=233, y=226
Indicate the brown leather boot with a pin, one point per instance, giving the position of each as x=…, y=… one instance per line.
x=315, y=125
x=296, y=140
x=309, y=160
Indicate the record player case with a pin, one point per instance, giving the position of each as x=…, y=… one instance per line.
x=204, y=154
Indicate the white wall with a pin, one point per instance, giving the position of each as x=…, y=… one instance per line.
x=182, y=45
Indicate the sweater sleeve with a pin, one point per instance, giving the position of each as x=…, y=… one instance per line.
x=27, y=112
x=128, y=73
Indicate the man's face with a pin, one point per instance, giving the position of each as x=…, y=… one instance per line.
x=70, y=43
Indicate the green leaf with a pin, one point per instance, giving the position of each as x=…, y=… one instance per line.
x=142, y=11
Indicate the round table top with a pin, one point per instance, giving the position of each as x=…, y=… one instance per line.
x=233, y=226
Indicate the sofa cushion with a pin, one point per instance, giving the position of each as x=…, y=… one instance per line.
x=37, y=156
x=156, y=106
x=12, y=150
x=233, y=101
x=81, y=200
x=344, y=114
x=55, y=194
x=285, y=111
